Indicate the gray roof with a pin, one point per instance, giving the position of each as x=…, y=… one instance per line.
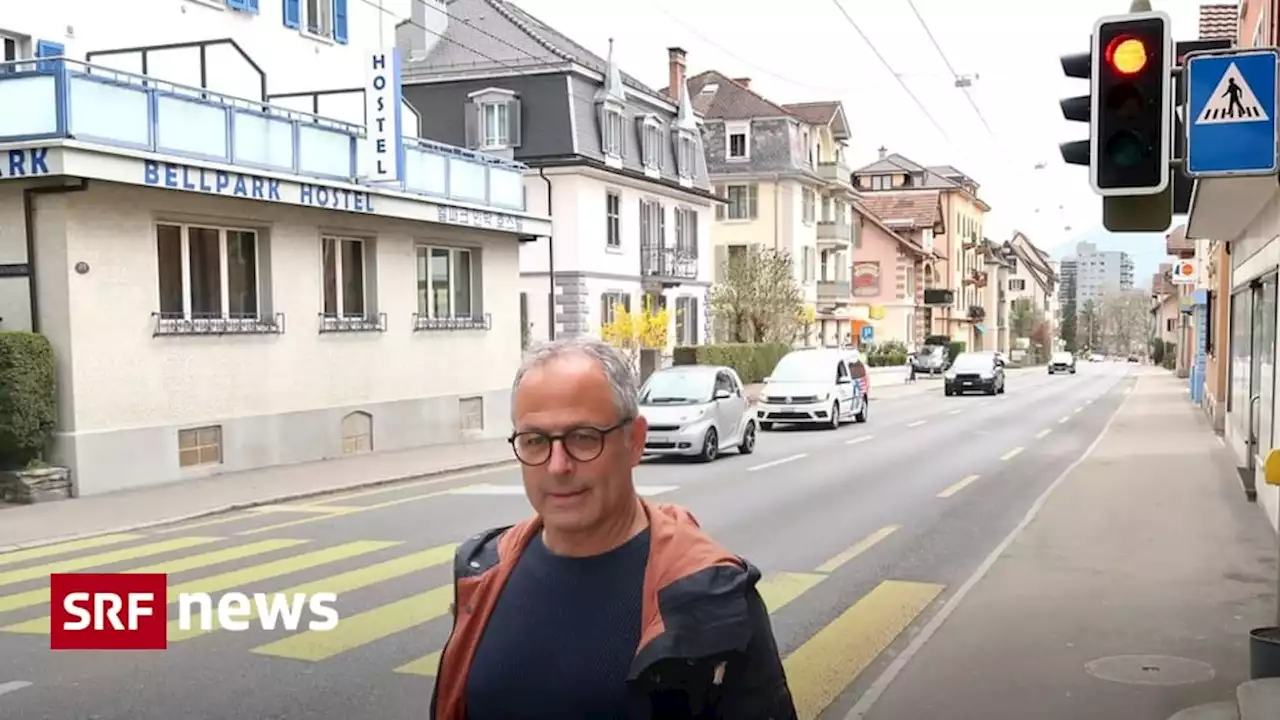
x=936, y=176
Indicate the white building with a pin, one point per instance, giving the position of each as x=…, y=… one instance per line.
x=1100, y=273
x=616, y=164
x=224, y=286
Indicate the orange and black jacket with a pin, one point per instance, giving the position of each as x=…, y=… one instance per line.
x=706, y=649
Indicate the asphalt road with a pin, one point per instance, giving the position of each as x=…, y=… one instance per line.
x=862, y=534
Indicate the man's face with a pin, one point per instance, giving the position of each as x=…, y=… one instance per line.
x=570, y=397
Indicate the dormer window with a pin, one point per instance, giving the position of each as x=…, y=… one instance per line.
x=650, y=142
x=686, y=159
x=612, y=143
x=493, y=120
x=737, y=140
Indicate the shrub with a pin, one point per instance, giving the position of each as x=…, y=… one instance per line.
x=28, y=409
x=752, y=361
x=956, y=347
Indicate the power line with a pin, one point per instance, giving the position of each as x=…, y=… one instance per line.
x=889, y=67
x=946, y=61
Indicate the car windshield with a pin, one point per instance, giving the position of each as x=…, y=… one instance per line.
x=674, y=387
x=1062, y=357
x=973, y=362
x=804, y=367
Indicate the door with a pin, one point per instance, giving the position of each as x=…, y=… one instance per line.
x=1261, y=367
x=728, y=410
x=844, y=387
x=862, y=384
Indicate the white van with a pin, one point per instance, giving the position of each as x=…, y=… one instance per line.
x=813, y=387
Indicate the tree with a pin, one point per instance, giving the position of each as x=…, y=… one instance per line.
x=1089, y=323
x=1123, y=320
x=759, y=299
x=633, y=332
x=1023, y=317
x=1068, y=329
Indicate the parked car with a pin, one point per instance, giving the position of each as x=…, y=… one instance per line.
x=697, y=411
x=931, y=359
x=1062, y=362
x=813, y=387
x=974, y=372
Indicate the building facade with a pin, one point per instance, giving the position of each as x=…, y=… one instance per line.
x=1099, y=273
x=220, y=275
x=888, y=271
x=616, y=164
x=785, y=182
x=1031, y=279
x=918, y=219
x=960, y=242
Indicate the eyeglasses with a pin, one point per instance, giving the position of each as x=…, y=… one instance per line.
x=583, y=444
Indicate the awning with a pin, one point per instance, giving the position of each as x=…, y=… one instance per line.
x=980, y=328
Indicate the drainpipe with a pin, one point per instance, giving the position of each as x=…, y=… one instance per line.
x=551, y=260
x=28, y=221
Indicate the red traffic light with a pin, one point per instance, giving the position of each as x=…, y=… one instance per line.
x=1127, y=55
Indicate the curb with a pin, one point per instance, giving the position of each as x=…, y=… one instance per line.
x=247, y=504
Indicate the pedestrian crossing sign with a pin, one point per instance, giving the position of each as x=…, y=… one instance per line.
x=1232, y=101
x=1231, y=98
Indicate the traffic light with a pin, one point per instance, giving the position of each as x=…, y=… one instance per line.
x=1079, y=108
x=1132, y=104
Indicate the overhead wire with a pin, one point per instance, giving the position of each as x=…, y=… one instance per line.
x=950, y=68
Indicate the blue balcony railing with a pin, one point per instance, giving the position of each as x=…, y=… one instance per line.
x=53, y=98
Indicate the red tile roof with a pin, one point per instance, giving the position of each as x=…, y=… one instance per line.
x=921, y=207
x=1219, y=21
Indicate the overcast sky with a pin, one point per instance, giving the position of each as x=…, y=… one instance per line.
x=805, y=50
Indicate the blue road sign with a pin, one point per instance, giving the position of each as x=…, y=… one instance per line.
x=1231, y=113
x=867, y=333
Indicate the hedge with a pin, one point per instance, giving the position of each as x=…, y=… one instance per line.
x=753, y=361
x=28, y=409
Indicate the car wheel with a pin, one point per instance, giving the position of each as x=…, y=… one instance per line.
x=864, y=411
x=710, y=446
x=748, y=445
x=1002, y=387
x=835, y=416
x=947, y=392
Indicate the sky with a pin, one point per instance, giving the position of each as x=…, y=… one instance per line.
x=1006, y=124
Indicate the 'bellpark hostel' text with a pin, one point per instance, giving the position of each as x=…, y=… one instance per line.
x=252, y=187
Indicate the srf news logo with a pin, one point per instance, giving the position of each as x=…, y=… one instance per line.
x=118, y=611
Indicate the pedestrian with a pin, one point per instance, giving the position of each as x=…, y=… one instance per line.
x=603, y=604
x=911, y=368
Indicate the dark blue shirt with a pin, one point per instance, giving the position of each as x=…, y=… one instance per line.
x=561, y=638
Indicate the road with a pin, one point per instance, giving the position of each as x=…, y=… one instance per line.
x=862, y=534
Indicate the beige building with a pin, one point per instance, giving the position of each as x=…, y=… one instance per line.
x=1031, y=276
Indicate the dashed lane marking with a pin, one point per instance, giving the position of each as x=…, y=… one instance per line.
x=917, y=423
x=1041, y=435
x=1063, y=419
x=8, y=687
x=1011, y=454
x=957, y=411
x=857, y=549
x=857, y=440
x=957, y=487
x=779, y=461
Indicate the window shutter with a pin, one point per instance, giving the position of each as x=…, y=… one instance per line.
x=691, y=230
x=719, y=191
x=662, y=224
x=340, y=21
x=626, y=301
x=644, y=224
x=722, y=259
x=292, y=14
x=46, y=49
x=513, y=123
x=751, y=201
x=472, y=110
x=645, y=150
x=604, y=309
x=693, y=321
x=251, y=6
x=240, y=5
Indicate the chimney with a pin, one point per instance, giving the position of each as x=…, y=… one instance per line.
x=744, y=82
x=675, y=72
x=884, y=152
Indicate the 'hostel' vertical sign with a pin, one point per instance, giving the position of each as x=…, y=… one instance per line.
x=384, y=131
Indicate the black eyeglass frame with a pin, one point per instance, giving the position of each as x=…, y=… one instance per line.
x=553, y=439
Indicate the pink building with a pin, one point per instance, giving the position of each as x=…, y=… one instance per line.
x=886, y=280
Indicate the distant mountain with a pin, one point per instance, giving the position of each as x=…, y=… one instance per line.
x=1146, y=249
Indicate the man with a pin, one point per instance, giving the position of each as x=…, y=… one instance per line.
x=602, y=605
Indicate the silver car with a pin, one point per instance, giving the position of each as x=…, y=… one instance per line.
x=697, y=411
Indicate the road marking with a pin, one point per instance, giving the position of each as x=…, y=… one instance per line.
x=917, y=423
x=349, y=581
x=877, y=687
x=957, y=411
x=304, y=509
x=857, y=549
x=238, y=579
x=821, y=669
x=39, y=596
x=17, y=556
x=1063, y=419
x=106, y=558
x=353, y=511
x=958, y=486
x=425, y=665
x=486, y=489
x=779, y=589
x=1086, y=402
x=1011, y=454
x=1078, y=409
x=9, y=687
x=426, y=482
x=774, y=463
x=857, y=440
x=363, y=628
x=1041, y=435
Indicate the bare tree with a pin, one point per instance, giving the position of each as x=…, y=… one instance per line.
x=1123, y=320
x=759, y=299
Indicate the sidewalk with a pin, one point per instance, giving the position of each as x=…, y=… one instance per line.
x=1146, y=548
x=39, y=524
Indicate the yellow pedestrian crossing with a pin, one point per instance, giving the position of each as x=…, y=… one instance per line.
x=819, y=669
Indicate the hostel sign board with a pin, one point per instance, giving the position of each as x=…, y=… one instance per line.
x=384, y=127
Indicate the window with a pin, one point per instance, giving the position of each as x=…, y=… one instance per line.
x=687, y=232
x=200, y=446
x=317, y=16
x=445, y=283
x=686, y=159
x=738, y=142
x=651, y=143
x=344, y=277
x=653, y=224
x=808, y=205
x=12, y=47
x=881, y=182
x=686, y=321
x=324, y=19
x=741, y=205
x=207, y=272
x=807, y=265
x=1017, y=284
x=613, y=219
x=609, y=303
x=494, y=126
x=611, y=131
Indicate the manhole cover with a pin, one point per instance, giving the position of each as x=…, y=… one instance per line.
x=1150, y=670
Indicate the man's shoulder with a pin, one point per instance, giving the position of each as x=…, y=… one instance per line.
x=479, y=553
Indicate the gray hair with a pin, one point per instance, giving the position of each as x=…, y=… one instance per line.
x=617, y=368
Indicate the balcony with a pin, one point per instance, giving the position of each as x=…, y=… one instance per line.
x=668, y=266
x=839, y=292
x=836, y=173
x=976, y=278
x=977, y=313
x=836, y=234
x=55, y=99
x=939, y=297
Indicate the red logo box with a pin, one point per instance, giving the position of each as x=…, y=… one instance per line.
x=108, y=611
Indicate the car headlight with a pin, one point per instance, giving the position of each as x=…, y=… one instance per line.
x=949, y=375
x=987, y=376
